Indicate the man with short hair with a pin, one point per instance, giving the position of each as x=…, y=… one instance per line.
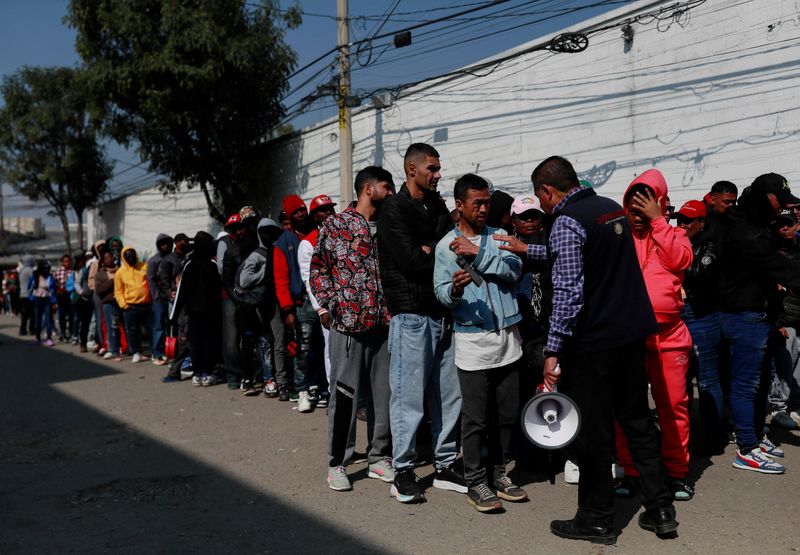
x=422, y=367
x=488, y=342
x=344, y=279
x=596, y=348
x=721, y=198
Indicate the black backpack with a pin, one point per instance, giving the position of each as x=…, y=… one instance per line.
x=258, y=294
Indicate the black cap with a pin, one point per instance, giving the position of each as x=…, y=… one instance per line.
x=786, y=217
x=181, y=237
x=777, y=185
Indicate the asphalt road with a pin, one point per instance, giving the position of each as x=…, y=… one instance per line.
x=101, y=457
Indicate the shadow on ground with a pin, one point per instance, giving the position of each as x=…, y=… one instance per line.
x=75, y=480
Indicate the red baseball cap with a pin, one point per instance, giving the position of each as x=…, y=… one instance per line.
x=693, y=209
x=233, y=219
x=320, y=201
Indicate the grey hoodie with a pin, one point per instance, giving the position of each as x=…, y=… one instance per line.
x=25, y=274
x=256, y=266
x=157, y=293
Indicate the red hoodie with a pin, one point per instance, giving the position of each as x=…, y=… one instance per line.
x=664, y=253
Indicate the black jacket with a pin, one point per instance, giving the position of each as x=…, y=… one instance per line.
x=752, y=265
x=404, y=226
x=701, y=279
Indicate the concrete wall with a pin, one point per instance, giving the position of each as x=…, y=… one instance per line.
x=140, y=217
x=706, y=95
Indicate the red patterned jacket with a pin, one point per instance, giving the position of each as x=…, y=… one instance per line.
x=345, y=276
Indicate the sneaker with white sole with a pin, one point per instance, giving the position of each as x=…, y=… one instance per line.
x=757, y=462
x=136, y=358
x=271, y=389
x=450, y=479
x=508, y=490
x=197, y=380
x=382, y=470
x=210, y=379
x=770, y=449
x=405, y=488
x=108, y=355
x=304, y=402
x=337, y=479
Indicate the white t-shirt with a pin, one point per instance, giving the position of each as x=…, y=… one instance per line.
x=484, y=350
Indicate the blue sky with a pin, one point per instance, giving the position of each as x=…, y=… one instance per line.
x=32, y=33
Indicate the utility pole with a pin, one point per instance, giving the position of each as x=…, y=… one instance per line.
x=345, y=133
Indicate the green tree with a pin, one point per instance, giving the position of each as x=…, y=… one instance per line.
x=195, y=85
x=48, y=142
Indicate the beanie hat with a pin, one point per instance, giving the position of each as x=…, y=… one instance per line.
x=292, y=204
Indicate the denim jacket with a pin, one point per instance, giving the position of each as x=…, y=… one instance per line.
x=493, y=305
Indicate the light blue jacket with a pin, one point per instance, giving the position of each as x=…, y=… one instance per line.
x=490, y=307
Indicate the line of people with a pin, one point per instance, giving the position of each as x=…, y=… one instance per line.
x=411, y=313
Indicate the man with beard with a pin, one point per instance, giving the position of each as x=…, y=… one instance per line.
x=345, y=281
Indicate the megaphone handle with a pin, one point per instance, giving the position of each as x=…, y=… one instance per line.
x=542, y=388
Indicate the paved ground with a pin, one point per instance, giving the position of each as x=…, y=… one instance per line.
x=98, y=457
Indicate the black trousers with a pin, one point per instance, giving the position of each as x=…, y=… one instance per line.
x=607, y=385
x=85, y=309
x=25, y=317
x=204, y=341
x=489, y=409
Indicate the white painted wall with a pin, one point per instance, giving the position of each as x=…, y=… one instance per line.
x=711, y=96
x=140, y=217
x=707, y=96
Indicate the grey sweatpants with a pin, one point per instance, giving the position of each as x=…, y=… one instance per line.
x=358, y=360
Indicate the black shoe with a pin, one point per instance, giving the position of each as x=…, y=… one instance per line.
x=249, y=388
x=283, y=393
x=661, y=521
x=577, y=530
x=508, y=490
x=450, y=479
x=406, y=489
x=483, y=499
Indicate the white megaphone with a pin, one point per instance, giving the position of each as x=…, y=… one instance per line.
x=551, y=420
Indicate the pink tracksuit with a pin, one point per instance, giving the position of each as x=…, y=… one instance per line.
x=664, y=253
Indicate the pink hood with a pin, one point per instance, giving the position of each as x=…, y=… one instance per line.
x=664, y=253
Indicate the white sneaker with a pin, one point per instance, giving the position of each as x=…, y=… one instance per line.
x=571, y=473
x=304, y=403
x=795, y=415
x=136, y=358
x=91, y=344
x=109, y=355
x=197, y=380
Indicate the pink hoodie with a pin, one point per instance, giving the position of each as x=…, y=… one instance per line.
x=664, y=253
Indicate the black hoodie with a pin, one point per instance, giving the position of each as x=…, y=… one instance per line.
x=752, y=265
x=199, y=289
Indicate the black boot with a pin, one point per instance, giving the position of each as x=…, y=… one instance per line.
x=576, y=530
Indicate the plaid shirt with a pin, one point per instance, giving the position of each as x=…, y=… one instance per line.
x=565, y=251
x=61, y=275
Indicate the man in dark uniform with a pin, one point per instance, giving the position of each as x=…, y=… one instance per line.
x=596, y=348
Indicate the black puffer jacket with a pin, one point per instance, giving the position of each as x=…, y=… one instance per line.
x=752, y=265
x=701, y=279
x=404, y=226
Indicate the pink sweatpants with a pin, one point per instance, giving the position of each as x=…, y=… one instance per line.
x=667, y=365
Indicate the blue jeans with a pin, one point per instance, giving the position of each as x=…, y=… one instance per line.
x=160, y=313
x=42, y=317
x=706, y=333
x=135, y=316
x=112, y=315
x=748, y=333
x=422, y=368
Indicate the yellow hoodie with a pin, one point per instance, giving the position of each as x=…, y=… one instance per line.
x=130, y=283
